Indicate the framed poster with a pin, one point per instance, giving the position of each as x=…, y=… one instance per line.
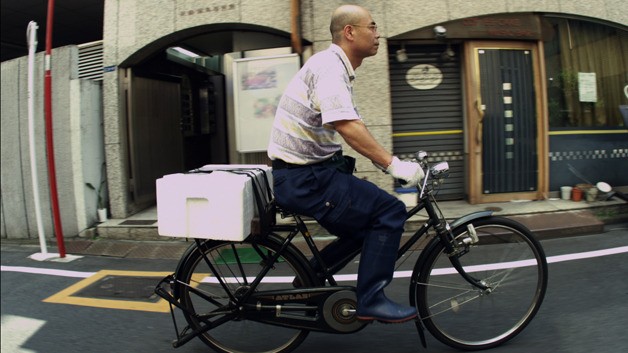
x=258, y=85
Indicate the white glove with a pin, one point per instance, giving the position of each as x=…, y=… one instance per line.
x=409, y=172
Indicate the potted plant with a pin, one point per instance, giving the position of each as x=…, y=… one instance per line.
x=101, y=204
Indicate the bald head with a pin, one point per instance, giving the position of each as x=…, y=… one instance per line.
x=345, y=15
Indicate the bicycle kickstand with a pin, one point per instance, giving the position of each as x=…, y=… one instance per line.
x=421, y=330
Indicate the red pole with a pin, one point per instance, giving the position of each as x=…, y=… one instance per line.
x=49, y=141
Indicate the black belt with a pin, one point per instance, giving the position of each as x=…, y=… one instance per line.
x=279, y=164
x=344, y=164
x=334, y=160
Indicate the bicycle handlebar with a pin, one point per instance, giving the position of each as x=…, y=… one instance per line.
x=438, y=172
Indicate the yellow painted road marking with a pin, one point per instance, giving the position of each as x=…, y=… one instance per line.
x=66, y=296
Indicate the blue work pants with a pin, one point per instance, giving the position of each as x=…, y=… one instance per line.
x=343, y=204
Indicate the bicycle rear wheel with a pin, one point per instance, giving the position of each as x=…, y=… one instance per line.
x=237, y=264
x=507, y=259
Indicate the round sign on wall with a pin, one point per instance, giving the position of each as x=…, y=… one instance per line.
x=424, y=76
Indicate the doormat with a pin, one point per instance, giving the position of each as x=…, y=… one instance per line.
x=138, y=222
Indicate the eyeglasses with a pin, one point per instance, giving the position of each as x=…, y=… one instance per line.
x=371, y=27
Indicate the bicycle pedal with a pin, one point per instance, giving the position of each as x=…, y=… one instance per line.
x=396, y=322
x=388, y=322
x=371, y=320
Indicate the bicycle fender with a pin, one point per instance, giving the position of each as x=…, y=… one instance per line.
x=188, y=252
x=435, y=241
x=186, y=255
x=184, y=258
x=470, y=217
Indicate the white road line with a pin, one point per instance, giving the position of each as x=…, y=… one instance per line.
x=46, y=271
x=523, y=263
x=588, y=254
x=16, y=330
x=353, y=277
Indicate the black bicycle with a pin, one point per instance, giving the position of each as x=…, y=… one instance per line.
x=477, y=283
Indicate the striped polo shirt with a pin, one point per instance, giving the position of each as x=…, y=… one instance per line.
x=319, y=94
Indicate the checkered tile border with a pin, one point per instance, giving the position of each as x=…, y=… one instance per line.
x=437, y=156
x=595, y=154
x=554, y=156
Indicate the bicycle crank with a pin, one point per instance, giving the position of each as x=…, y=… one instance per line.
x=339, y=312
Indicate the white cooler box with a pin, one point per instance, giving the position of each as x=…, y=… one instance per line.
x=218, y=205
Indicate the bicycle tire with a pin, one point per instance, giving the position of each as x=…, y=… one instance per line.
x=237, y=264
x=507, y=258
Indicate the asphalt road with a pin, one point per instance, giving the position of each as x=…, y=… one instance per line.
x=585, y=309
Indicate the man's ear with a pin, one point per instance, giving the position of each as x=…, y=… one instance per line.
x=347, y=32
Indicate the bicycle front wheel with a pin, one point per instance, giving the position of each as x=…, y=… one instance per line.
x=237, y=265
x=508, y=260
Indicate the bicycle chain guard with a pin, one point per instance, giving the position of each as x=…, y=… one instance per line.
x=323, y=309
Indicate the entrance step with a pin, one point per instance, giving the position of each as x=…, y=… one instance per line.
x=129, y=229
x=560, y=224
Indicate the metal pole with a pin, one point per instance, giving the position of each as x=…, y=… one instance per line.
x=295, y=35
x=31, y=38
x=49, y=135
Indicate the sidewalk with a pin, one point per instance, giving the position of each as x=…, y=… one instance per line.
x=136, y=237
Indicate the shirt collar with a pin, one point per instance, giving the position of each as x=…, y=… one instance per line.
x=345, y=60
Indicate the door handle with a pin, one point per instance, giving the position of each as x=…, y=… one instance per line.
x=479, y=125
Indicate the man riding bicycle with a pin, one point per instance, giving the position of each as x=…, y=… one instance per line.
x=313, y=178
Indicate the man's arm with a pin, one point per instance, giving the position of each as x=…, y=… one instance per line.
x=360, y=139
x=355, y=133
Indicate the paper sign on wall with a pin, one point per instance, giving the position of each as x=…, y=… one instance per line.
x=258, y=85
x=587, y=87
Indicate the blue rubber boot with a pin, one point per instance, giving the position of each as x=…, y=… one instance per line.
x=377, y=264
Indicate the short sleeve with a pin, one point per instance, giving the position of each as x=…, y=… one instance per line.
x=335, y=97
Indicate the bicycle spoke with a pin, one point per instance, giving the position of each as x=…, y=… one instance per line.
x=454, y=305
x=456, y=286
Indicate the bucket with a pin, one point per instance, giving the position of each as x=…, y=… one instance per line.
x=585, y=189
x=565, y=192
x=102, y=215
x=576, y=194
x=591, y=194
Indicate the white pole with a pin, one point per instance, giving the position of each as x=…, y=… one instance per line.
x=31, y=36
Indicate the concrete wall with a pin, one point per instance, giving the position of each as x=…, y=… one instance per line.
x=77, y=117
x=131, y=25
x=405, y=15
x=88, y=153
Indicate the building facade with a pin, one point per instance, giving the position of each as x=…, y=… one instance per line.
x=519, y=97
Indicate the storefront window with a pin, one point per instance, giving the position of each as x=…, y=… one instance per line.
x=587, y=69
